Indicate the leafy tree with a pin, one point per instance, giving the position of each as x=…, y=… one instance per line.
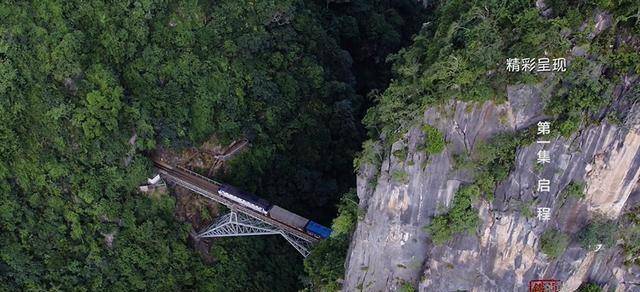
x=325, y=264
x=347, y=215
x=368, y=155
x=90, y=87
x=460, y=52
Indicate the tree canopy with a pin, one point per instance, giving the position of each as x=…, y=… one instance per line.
x=88, y=87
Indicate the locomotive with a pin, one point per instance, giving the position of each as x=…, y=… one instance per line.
x=245, y=199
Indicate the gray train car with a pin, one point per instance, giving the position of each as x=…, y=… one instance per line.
x=287, y=217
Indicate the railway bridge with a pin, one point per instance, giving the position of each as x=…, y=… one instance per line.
x=241, y=220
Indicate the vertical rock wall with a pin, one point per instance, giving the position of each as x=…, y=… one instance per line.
x=390, y=246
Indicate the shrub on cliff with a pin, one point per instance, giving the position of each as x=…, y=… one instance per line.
x=368, y=155
x=630, y=236
x=553, y=243
x=598, y=231
x=574, y=190
x=434, y=140
x=407, y=287
x=589, y=287
x=461, y=217
x=400, y=176
x=494, y=160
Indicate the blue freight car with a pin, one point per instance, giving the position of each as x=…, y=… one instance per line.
x=317, y=230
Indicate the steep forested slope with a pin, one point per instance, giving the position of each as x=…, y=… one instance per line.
x=87, y=87
x=449, y=182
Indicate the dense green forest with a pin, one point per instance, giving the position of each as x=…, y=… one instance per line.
x=461, y=50
x=89, y=88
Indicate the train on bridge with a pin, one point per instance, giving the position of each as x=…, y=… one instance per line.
x=266, y=208
x=274, y=211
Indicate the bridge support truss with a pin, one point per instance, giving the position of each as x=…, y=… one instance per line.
x=240, y=224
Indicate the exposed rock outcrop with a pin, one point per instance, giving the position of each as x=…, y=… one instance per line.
x=390, y=246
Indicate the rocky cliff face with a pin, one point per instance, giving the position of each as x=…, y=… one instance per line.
x=390, y=247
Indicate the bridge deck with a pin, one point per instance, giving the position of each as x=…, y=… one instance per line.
x=209, y=188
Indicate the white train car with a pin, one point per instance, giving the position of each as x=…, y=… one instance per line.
x=245, y=199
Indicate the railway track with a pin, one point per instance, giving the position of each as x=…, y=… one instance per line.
x=209, y=189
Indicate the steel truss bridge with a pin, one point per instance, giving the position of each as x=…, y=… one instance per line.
x=240, y=221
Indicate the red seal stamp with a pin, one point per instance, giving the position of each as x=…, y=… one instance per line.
x=544, y=285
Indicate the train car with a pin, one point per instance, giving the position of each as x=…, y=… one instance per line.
x=245, y=199
x=291, y=219
x=317, y=230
